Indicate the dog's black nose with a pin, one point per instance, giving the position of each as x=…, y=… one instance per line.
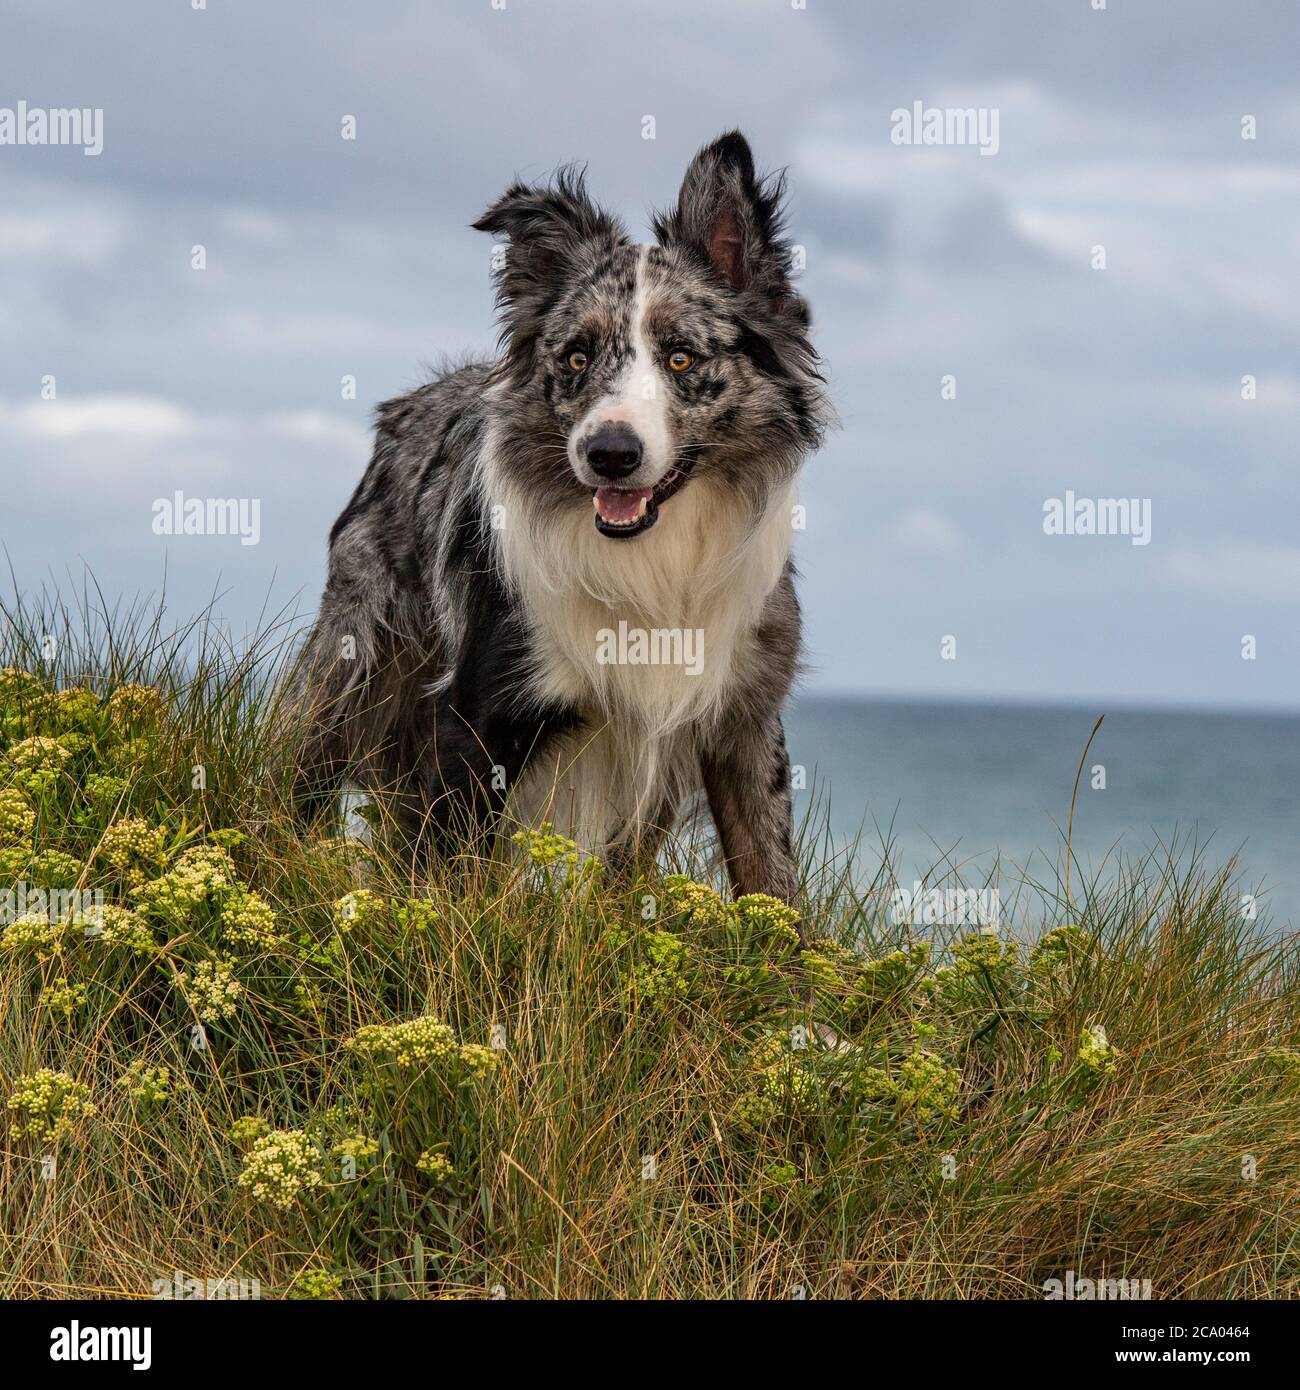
x=614, y=451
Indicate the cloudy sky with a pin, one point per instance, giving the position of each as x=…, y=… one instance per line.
x=1118, y=128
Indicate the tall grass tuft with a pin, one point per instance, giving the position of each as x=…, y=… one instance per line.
x=233, y=1050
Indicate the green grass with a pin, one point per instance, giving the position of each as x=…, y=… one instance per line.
x=604, y=1100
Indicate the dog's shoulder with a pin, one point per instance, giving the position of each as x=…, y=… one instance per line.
x=424, y=439
x=424, y=416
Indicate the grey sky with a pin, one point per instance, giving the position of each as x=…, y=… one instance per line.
x=328, y=257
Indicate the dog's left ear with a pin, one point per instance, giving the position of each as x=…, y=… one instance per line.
x=730, y=219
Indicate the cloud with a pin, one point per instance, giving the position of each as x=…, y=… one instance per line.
x=922, y=532
x=134, y=429
x=1237, y=569
x=138, y=417
x=330, y=258
x=53, y=224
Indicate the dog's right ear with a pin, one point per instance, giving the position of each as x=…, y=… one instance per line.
x=550, y=228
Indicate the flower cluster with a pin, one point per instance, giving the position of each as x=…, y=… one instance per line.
x=127, y=758
x=34, y=933
x=781, y=1173
x=36, y=763
x=779, y=1181
x=77, y=707
x=927, y=1087
x=212, y=991
x=745, y=946
x=201, y=875
x=421, y=1043
x=764, y=915
x=146, y=1085
x=980, y=963
x=1060, y=945
x=281, y=1166
x=63, y=999
x=754, y=1111
x=792, y=1085
x=755, y=925
x=248, y=1129
x=665, y=970
x=127, y=844
x=1097, y=1054
x=408, y=1044
x=478, y=1061
x=47, y=1104
x=359, y=910
x=320, y=1285
x=52, y=868
x=135, y=706
x=859, y=986
x=783, y=1084
x=103, y=789
x=795, y=1088
x=119, y=926
x=417, y=914
x=247, y=920
x=544, y=847
x=435, y=1164
x=361, y=1152
x=19, y=688
x=338, y=851
x=13, y=860
x=17, y=819
x=892, y=972
x=697, y=902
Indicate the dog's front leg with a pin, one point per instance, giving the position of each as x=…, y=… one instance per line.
x=747, y=778
x=638, y=849
x=458, y=785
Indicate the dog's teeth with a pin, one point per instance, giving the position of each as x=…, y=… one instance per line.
x=640, y=511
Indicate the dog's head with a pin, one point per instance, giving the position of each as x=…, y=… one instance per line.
x=633, y=370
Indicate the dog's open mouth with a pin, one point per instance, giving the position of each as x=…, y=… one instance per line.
x=624, y=512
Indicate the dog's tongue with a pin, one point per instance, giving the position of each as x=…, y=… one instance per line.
x=621, y=505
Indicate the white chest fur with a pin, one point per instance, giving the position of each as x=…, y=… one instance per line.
x=643, y=637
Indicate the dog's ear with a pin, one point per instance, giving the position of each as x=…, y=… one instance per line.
x=730, y=219
x=551, y=228
x=548, y=226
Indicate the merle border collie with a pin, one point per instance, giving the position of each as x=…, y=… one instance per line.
x=626, y=465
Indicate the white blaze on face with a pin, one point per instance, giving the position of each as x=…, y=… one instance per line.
x=636, y=398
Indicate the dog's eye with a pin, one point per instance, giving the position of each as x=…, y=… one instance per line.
x=680, y=361
x=578, y=361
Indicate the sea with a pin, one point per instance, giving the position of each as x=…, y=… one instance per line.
x=980, y=793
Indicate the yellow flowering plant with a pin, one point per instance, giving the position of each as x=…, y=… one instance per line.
x=47, y=1105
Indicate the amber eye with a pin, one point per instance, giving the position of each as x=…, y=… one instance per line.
x=680, y=361
x=577, y=361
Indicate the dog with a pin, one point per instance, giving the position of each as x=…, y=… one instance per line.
x=564, y=586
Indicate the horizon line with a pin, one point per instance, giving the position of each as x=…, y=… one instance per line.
x=1093, y=705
